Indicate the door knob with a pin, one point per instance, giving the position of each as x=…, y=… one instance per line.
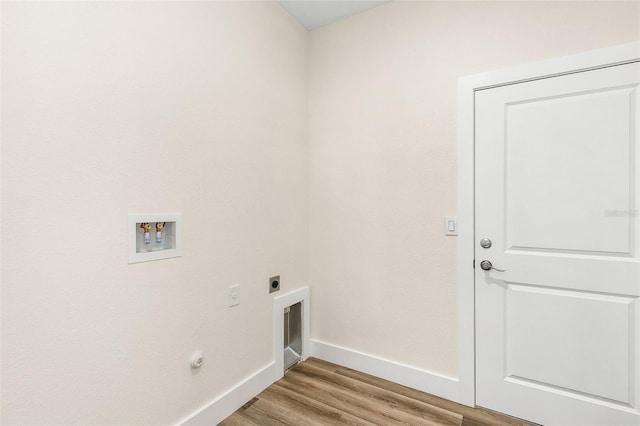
x=487, y=266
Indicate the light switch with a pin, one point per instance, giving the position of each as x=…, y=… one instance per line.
x=451, y=225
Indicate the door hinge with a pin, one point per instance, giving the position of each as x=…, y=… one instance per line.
x=474, y=264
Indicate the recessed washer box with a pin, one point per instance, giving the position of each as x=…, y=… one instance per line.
x=154, y=236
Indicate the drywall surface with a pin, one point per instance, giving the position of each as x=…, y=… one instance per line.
x=110, y=108
x=382, y=89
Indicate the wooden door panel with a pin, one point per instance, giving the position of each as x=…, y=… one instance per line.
x=546, y=344
x=561, y=159
x=557, y=333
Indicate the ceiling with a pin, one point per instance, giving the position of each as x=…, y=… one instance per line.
x=316, y=13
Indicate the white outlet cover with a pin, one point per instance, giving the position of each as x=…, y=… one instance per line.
x=233, y=297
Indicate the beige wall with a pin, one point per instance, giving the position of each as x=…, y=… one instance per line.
x=382, y=89
x=110, y=108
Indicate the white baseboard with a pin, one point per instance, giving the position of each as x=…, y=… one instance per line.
x=227, y=403
x=425, y=381
x=224, y=405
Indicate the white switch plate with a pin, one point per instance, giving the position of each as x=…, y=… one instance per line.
x=233, y=297
x=451, y=225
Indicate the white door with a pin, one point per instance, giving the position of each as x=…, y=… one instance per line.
x=557, y=191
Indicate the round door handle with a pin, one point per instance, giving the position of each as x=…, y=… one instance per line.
x=487, y=266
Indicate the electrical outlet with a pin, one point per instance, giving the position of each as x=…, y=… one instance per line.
x=274, y=284
x=233, y=297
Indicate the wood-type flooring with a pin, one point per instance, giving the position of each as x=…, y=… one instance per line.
x=316, y=392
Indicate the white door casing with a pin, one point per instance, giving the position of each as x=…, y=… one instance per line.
x=556, y=190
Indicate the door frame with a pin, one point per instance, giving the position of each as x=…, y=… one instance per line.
x=467, y=86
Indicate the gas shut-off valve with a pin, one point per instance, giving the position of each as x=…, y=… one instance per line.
x=197, y=360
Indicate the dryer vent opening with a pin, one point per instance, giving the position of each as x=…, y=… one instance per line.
x=292, y=335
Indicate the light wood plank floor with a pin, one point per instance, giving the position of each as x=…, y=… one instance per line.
x=316, y=392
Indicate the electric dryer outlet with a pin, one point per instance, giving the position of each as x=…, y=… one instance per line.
x=274, y=284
